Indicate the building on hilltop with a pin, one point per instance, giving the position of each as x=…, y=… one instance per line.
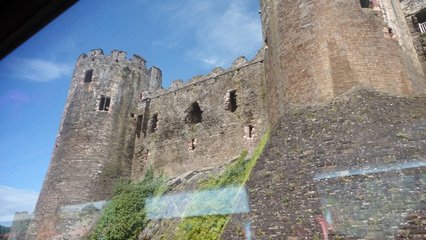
x=118, y=120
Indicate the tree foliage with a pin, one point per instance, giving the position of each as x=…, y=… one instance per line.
x=124, y=217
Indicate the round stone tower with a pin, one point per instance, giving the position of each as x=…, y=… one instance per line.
x=94, y=145
x=318, y=49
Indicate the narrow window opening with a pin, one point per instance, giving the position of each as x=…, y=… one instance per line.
x=88, y=76
x=146, y=155
x=107, y=102
x=232, y=101
x=365, y=3
x=191, y=144
x=249, y=131
x=132, y=115
x=194, y=114
x=104, y=103
x=421, y=18
x=139, y=126
x=154, y=123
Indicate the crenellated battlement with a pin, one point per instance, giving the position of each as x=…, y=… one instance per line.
x=96, y=62
x=116, y=56
x=237, y=64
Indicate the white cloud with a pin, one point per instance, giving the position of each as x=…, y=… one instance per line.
x=15, y=200
x=38, y=70
x=222, y=29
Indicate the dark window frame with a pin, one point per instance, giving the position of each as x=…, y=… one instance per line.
x=365, y=3
x=88, y=76
x=233, y=103
x=104, y=103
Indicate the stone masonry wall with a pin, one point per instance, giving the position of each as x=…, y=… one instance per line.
x=395, y=21
x=94, y=147
x=319, y=49
x=354, y=168
x=410, y=8
x=176, y=145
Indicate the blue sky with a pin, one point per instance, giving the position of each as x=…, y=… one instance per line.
x=183, y=38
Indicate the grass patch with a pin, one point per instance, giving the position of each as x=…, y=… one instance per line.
x=124, y=217
x=236, y=174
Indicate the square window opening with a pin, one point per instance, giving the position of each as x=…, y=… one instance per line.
x=365, y=3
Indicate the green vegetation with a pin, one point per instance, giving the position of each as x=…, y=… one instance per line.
x=236, y=174
x=124, y=216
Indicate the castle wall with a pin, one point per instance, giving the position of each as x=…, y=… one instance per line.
x=319, y=49
x=177, y=146
x=395, y=20
x=93, y=148
x=353, y=168
x=410, y=8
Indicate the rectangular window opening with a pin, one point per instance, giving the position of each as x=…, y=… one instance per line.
x=191, y=144
x=249, y=131
x=88, y=76
x=104, y=103
x=139, y=126
x=233, y=100
x=154, y=123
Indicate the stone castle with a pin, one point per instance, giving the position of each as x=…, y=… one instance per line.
x=318, y=57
